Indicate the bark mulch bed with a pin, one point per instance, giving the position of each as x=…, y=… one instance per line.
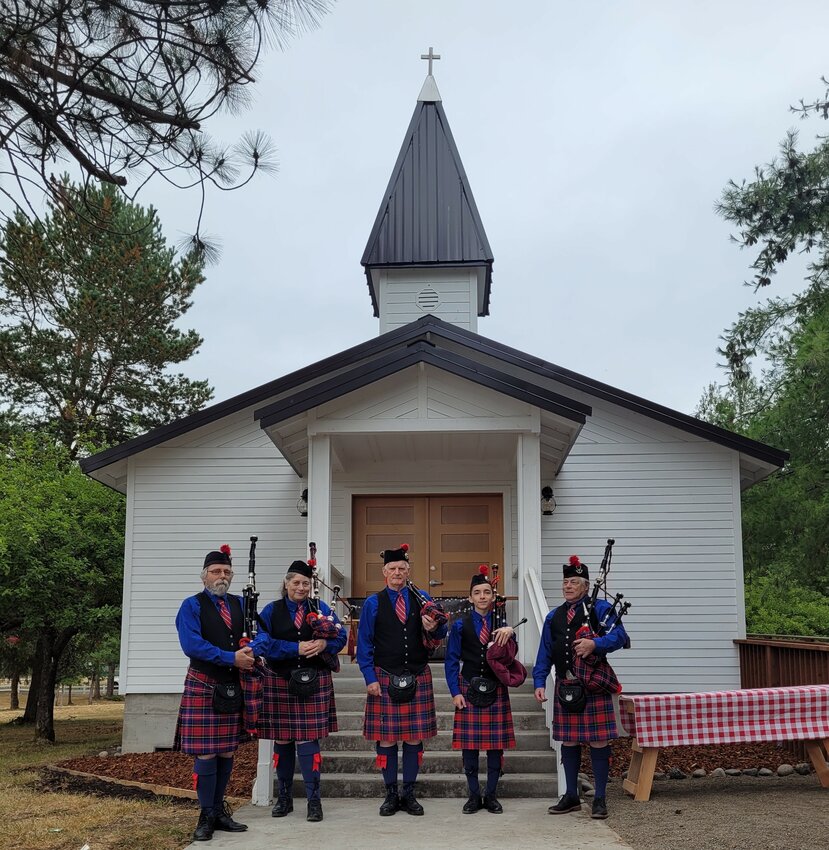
x=176, y=769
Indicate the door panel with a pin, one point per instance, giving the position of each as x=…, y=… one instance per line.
x=448, y=537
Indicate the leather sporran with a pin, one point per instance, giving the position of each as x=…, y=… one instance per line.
x=571, y=695
x=304, y=682
x=402, y=688
x=481, y=692
x=227, y=697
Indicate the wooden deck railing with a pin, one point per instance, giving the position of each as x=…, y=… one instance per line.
x=775, y=661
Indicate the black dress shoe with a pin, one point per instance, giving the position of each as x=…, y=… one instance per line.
x=410, y=805
x=391, y=805
x=204, y=828
x=564, y=805
x=314, y=811
x=473, y=804
x=284, y=805
x=599, y=808
x=492, y=805
x=222, y=820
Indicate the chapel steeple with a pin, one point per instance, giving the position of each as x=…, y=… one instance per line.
x=428, y=251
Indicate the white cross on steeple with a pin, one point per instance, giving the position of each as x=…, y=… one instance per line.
x=431, y=56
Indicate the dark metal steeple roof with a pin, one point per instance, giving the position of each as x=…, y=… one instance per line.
x=428, y=215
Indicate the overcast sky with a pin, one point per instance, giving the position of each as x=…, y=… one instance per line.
x=597, y=137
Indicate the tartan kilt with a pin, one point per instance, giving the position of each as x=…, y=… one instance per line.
x=385, y=720
x=596, y=723
x=487, y=728
x=285, y=717
x=201, y=731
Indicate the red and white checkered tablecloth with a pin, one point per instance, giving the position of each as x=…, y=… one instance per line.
x=727, y=717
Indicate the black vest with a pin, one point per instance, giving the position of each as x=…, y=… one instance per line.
x=282, y=627
x=473, y=652
x=398, y=646
x=214, y=630
x=563, y=636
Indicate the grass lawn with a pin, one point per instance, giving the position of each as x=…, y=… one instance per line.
x=34, y=819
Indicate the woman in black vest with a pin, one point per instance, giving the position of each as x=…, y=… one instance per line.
x=296, y=721
x=479, y=727
x=209, y=626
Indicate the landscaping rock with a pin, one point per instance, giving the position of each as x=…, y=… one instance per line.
x=718, y=772
x=676, y=773
x=785, y=770
x=732, y=771
x=585, y=787
x=103, y=754
x=764, y=771
x=803, y=769
x=751, y=771
x=699, y=773
x=659, y=777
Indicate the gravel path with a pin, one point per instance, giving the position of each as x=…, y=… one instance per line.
x=731, y=813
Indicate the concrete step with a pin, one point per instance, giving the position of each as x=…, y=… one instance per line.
x=538, y=740
x=439, y=761
x=520, y=701
x=522, y=720
x=431, y=785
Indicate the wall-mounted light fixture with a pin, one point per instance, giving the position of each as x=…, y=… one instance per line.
x=302, y=503
x=548, y=501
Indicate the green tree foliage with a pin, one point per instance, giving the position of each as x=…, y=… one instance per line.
x=89, y=306
x=777, y=390
x=122, y=90
x=61, y=557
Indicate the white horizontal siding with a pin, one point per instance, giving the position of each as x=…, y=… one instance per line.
x=670, y=506
x=457, y=291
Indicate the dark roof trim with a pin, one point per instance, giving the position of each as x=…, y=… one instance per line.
x=421, y=352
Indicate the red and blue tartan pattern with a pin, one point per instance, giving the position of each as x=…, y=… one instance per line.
x=487, y=728
x=385, y=720
x=596, y=723
x=201, y=731
x=285, y=717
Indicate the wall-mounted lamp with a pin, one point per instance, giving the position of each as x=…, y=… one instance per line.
x=548, y=501
x=302, y=503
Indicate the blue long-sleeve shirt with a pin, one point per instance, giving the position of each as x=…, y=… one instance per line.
x=452, y=663
x=276, y=649
x=365, y=632
x=607, y=643
x=188, y=626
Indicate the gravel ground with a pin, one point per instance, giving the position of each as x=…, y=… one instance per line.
x=730, y=813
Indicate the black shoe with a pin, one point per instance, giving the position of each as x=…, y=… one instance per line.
x=599, y=808
x=410, y=805
x=222, y=819
x=284, y=806
x=391, y=805
x=473, y=804
x=314, y=811
x=492, y=805
x=564, y=805
x=204, y=828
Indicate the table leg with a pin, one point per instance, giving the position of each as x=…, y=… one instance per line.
x=640, y=774
x=816, y=754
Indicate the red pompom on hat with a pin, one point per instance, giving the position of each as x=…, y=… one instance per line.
x=483, y=570
x=574, y=568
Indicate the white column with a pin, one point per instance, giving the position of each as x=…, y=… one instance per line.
x=528, y=487
x=319, y=500
x=263, y=785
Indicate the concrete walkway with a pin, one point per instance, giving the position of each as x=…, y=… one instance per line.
x=353, y=824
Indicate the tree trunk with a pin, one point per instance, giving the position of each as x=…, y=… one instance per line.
x=30, y=714
x=54, y=645
x=69, y=695
x=14, y=696
x=110, y=692
x=97, y=689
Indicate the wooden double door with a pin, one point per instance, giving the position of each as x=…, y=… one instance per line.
x=448, y=537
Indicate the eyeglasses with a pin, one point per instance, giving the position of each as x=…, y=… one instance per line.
x=220, y=572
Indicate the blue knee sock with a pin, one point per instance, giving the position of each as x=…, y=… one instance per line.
x=204, y=772
x=223, y=770
x=284, y=760
x=571, y=759
x=494, y=765
x=600, y=762
x=411, y=765
x=470, y=768
x=310, y=762
x=387, y=762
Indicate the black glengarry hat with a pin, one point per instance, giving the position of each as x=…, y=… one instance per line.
x=481, y=577
x=301, y=567
x=574, y=568
x=401, y=554
x=220, y=557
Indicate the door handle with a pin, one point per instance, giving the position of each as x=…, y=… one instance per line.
x=434, y=583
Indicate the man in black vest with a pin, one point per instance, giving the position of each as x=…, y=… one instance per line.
x=392, y=651
x=209, y=626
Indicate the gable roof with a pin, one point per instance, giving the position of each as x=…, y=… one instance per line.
x=440, y=340
x=428, y=215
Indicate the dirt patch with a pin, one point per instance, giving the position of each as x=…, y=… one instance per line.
x=59, y=782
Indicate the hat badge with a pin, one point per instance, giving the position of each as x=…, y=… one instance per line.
x=579, y=569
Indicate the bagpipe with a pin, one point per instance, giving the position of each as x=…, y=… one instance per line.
x=323, y=626
x=428, y=608
x=502, y=660
x=251, y=680
x=250, y=598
